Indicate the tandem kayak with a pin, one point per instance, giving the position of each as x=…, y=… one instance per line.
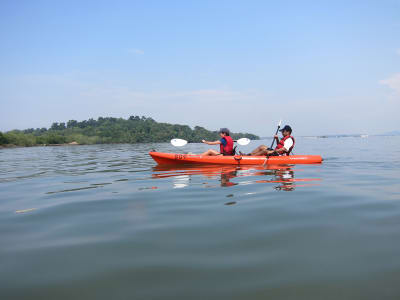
x=177, y=158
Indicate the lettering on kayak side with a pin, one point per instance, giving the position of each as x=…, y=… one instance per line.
x=180, y=156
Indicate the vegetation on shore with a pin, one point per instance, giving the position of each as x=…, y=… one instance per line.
x=135, y=129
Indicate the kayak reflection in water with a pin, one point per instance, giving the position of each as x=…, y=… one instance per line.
x=282, y=178
x=286, y=179
x=282, y=175
x=225, y=144
x=284, y=146
x=226, y=176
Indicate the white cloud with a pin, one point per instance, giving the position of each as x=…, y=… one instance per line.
x=136, y=51
x=393, y=82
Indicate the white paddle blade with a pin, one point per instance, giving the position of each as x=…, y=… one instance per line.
x=178, y=142
x=243, y=141
x=280, y=123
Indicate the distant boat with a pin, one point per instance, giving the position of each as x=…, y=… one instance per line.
x=364, y=135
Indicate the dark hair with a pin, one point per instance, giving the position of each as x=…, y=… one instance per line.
x=224, y=130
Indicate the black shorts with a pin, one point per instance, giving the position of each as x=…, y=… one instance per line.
x=274, y=154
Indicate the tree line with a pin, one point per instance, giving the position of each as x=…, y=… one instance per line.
x=109, y=130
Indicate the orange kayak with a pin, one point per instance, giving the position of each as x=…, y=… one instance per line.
x=177, y=158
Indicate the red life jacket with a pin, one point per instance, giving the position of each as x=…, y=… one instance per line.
x=228, y=148
x=282, y=142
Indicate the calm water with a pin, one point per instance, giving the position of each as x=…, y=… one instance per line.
x=103, y=222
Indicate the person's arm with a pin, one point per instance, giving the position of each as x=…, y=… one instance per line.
x=288, y=144
x=276, y=139
x=211, y=143
x=280, y=150
x=277, y=151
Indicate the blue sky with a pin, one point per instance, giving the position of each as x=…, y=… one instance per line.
x=324, y=68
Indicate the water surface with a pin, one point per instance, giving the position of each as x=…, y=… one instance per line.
x=104, y=222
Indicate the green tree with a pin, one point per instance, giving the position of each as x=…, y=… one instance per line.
x=72, y=123
x=135, y=129
x=3, y=139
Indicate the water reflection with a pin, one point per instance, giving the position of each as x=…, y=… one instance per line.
x=282, y=177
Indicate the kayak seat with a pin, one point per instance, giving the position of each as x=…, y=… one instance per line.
x=233, y=152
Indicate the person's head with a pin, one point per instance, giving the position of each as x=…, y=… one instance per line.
x=224, y=132
x=286, y=130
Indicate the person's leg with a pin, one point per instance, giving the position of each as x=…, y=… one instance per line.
x=211, y=152
x=260, y=150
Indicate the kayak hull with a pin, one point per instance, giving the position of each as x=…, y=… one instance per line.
x=177, y=158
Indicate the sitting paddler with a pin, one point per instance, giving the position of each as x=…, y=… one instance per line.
x=284, y=146
x=225, y=144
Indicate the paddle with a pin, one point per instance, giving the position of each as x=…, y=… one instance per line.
x=180, y=142
x=243, y=141
x=273, y=139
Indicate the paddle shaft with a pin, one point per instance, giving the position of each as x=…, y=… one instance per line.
x=273, y=139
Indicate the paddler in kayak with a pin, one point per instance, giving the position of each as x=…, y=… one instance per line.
x=284, y=146
x=225, y=144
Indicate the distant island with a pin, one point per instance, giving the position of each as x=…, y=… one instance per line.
x=135, y=129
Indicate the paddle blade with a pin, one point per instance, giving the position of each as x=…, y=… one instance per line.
x=243, y=141
x=280, y=123
x=178, y=142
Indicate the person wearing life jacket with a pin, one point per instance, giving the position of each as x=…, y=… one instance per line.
x=284, y=145
x=225, y=144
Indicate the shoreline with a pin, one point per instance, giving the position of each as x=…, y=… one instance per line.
x=12, y=146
